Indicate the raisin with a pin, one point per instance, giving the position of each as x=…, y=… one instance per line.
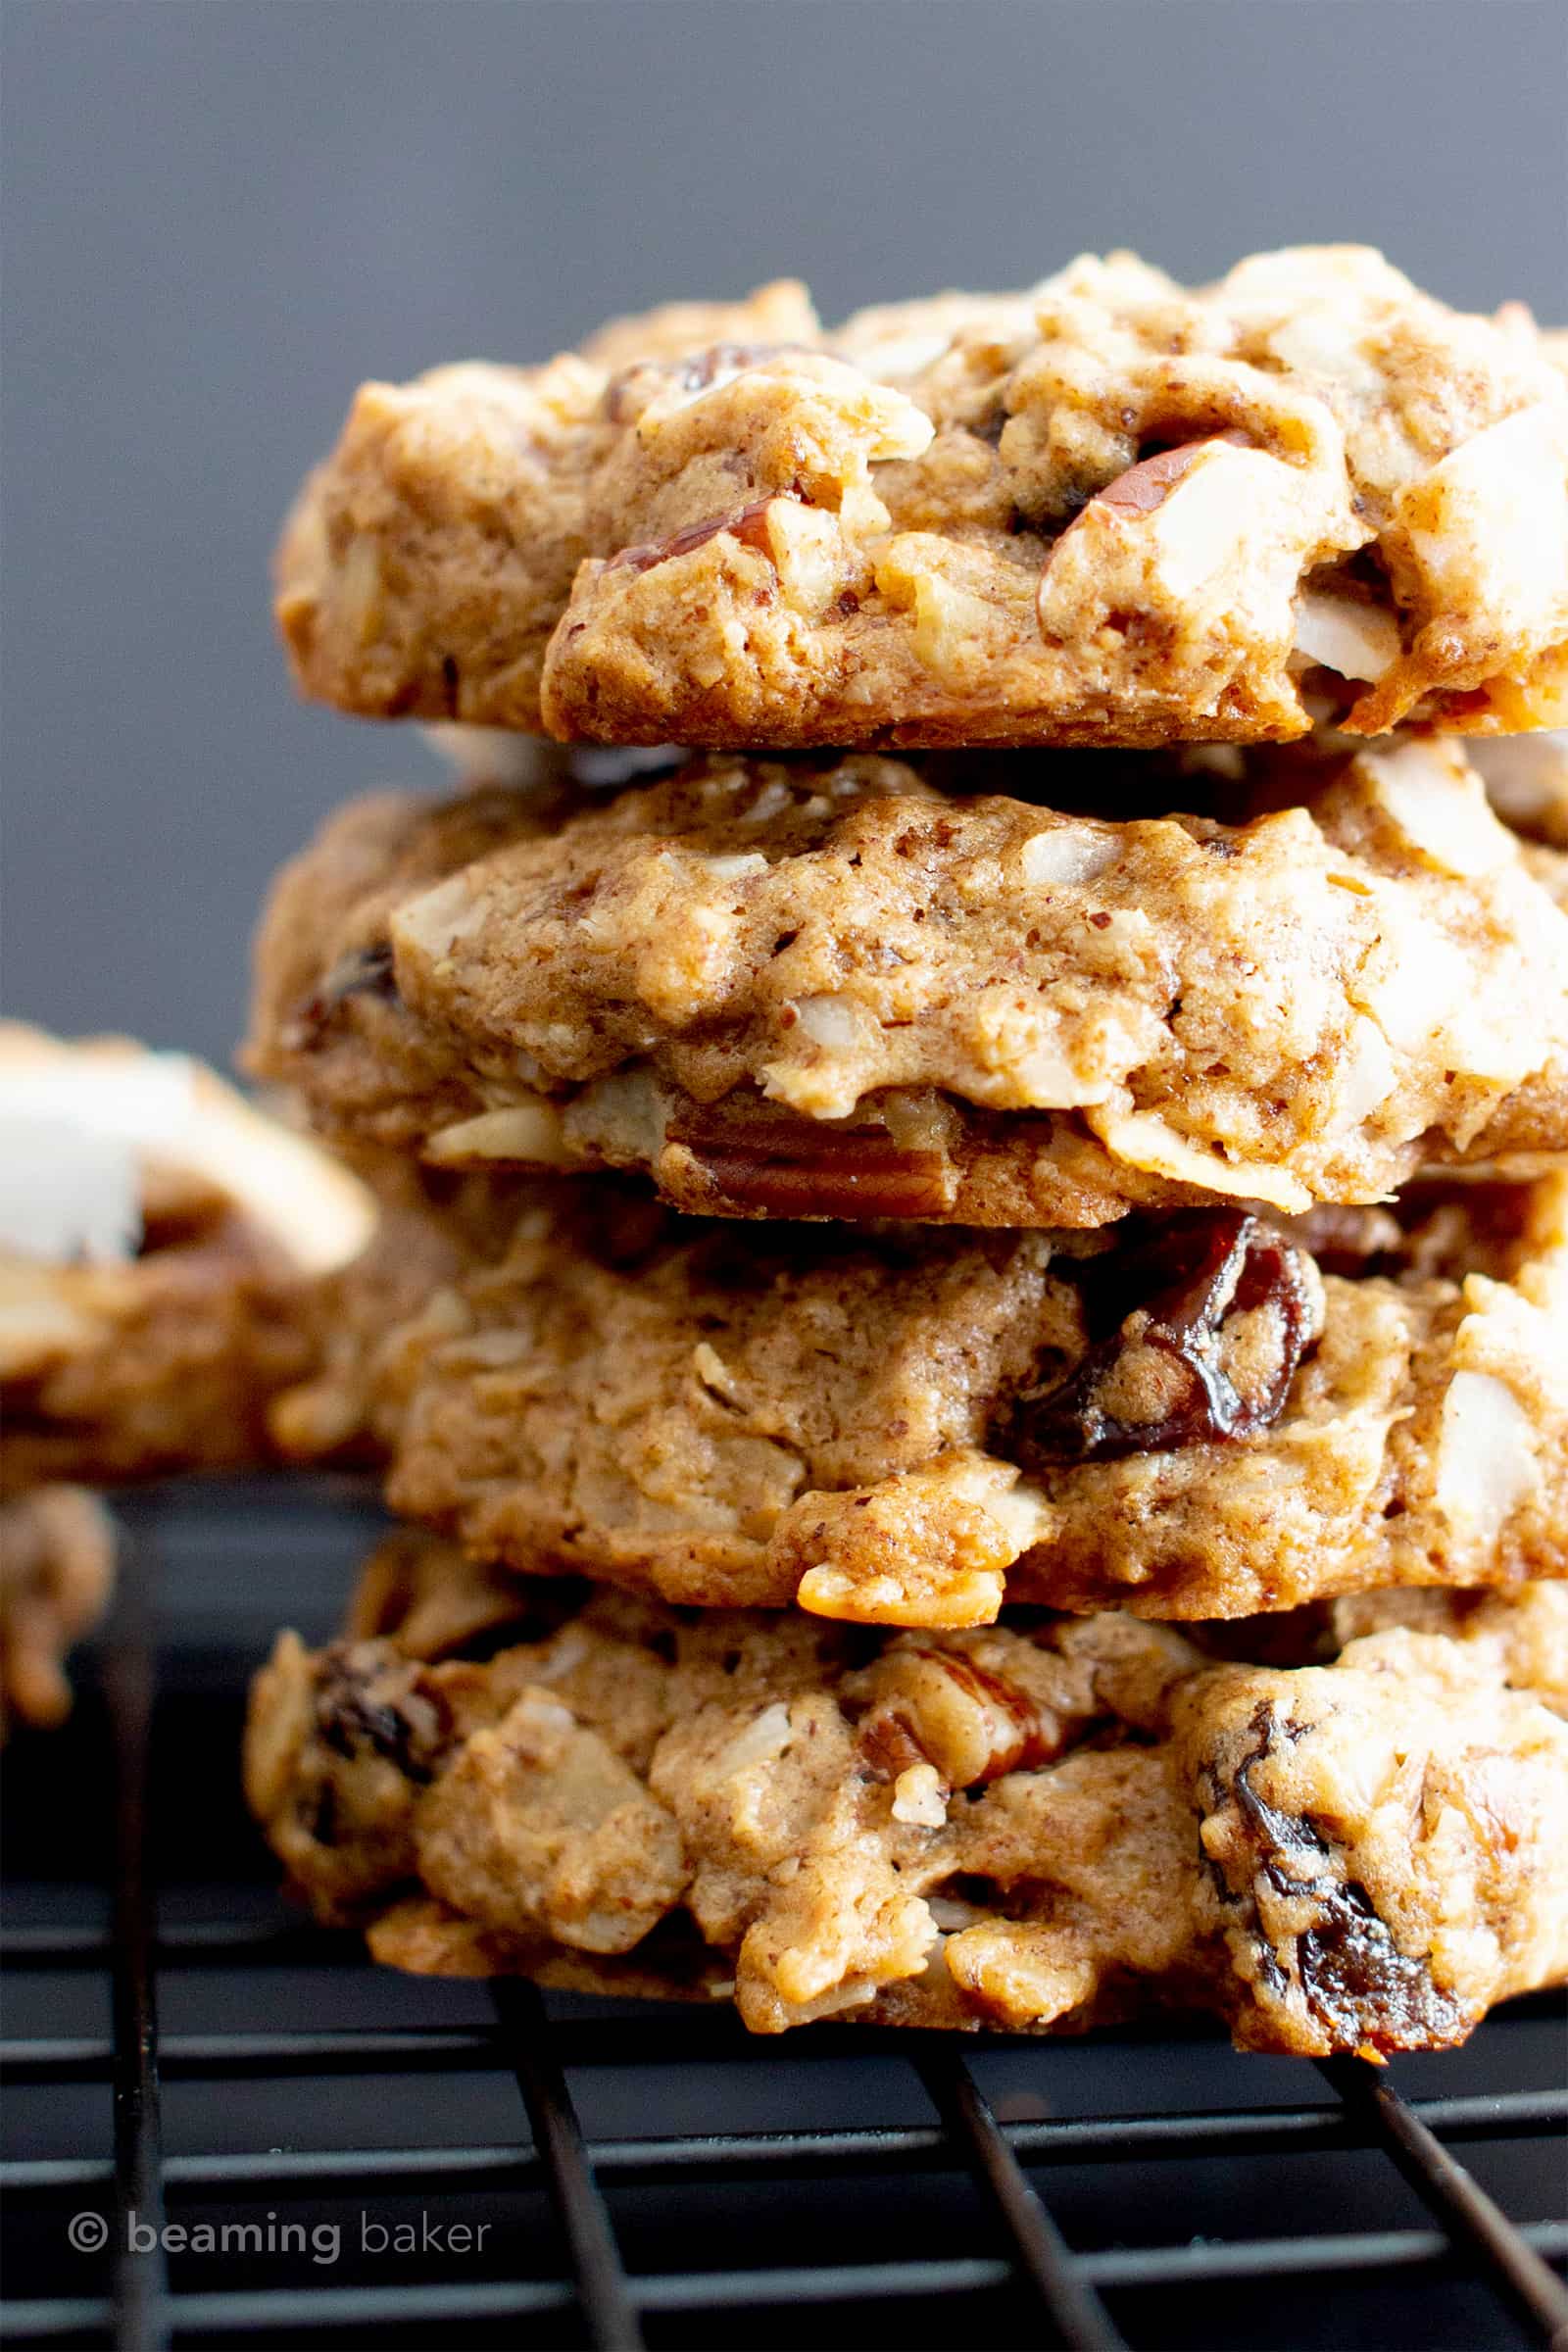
x=704, y=367
x=1362, y=1989
x=1173, y=1294
x=367, y=1701
x=694, y=374
x=362, y=973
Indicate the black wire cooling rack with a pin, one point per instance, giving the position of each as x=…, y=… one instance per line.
x=311, y=2152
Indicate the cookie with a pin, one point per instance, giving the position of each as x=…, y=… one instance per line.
x=456, y=508
x=1526, y=777
x=1033, y=1828
x=158, y=1241
x=57, y=1567
x=1109, y=511
x=1197, y=1414
x=432, y=1227
x=839, y=990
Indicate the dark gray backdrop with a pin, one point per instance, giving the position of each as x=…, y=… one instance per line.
x=217, y=214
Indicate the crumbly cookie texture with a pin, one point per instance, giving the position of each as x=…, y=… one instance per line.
x=57, y=1567
x=1526, y=777
x=1107, y=510
x=1199, y=1414
x=1036, y=1828
x=837, y=990
x=160, y=1241
x=443, y=532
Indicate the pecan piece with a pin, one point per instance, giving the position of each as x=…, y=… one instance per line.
x=1167, y=1346
x=785, y=1167
x=943, y=1707
x=1148, y=484
x=749, y=526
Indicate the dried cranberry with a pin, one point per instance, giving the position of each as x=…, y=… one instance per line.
x=364, y=971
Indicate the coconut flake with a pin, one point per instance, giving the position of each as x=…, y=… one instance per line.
x=735, y=867
x=66, y=1195
x=484, y=754
x=528, y=1133
x=79, y=1125
x=1067, y=854
x=1439, y=806
x=1485, y=1455
x=1367, y=1074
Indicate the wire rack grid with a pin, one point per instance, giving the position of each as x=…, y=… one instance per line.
x=920, y=2189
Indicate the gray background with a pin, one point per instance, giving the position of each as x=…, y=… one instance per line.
x=217, y=214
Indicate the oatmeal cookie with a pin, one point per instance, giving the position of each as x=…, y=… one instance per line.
x=159, y=1244
x=446, y=527
x=1526, y=777
x=57, y=1567
x=432, y=1227
x=1107, y=510
x=839, y=990
x=1037, y=1827
x=1191, y=1414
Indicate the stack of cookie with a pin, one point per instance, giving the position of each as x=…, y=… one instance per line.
x=974, y=1288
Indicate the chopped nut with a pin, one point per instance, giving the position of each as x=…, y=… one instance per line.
x=712, y=1371
x=919, y=1798
x=1069, y=853
x=748, y=525
x=525, y=1135
x=1148, y=484
x=764, y=1739
x=797, y=1167
x=831, y=1022
x=1340, y=633
x=970, y=1725
x=1438, y=805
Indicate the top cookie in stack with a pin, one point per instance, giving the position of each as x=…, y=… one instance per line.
x=1106, y=511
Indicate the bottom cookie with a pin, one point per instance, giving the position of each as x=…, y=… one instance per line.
x=1337, y=1831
